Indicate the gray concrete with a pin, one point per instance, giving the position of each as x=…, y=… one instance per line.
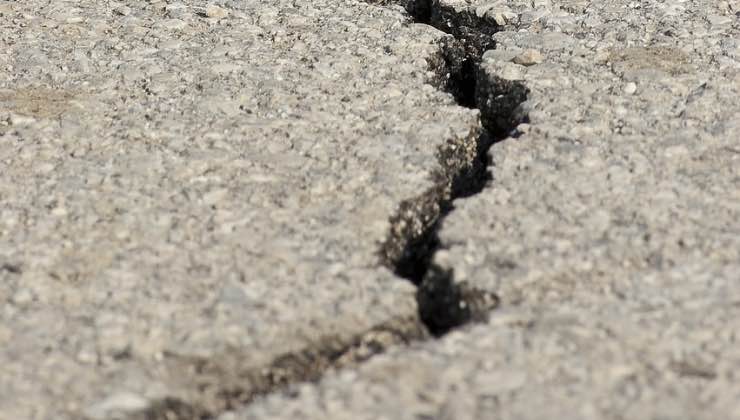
x=191, y=192
x=611, y=232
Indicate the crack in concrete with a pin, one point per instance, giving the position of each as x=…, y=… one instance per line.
x=412, y=242
x=223, y=383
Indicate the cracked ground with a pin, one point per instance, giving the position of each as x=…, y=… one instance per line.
x=292, y=209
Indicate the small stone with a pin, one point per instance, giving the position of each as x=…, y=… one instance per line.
x=630, y=88
x=213, y=11
x=171, y=44
x=223, y=68
x=122, y=10
x=676, y=151
x=503, y=17
x=118, y=405
x=20, y=120
x=22, y=297
x=523, y=128
x=6, y=334
x=482, y=10
x=172, y=24
x=601, y=56
x=59, y=212
x=214, y=197
x=87, y=356
x=176, y=10
x=528, y=58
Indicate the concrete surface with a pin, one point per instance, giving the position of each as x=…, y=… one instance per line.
x=610, y=231
x=194, y=197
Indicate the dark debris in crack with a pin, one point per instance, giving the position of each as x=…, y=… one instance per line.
x=413, y=240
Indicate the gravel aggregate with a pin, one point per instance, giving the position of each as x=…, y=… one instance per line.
x=201, y=206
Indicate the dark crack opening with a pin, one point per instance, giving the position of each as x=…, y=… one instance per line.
x=410, y=247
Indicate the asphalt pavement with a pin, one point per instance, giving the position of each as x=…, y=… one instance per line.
x=289, y=209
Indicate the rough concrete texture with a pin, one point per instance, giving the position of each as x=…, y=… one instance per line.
x=193, y=196
x=198, y=199
x=610, y=231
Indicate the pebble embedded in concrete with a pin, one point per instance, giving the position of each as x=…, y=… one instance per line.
x=528, y=57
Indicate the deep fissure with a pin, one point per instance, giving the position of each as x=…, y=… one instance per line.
x=444, y=304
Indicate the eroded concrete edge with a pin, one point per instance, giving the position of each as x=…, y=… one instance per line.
x=443, y=303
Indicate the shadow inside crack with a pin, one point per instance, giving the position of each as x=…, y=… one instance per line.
x=409, y=249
